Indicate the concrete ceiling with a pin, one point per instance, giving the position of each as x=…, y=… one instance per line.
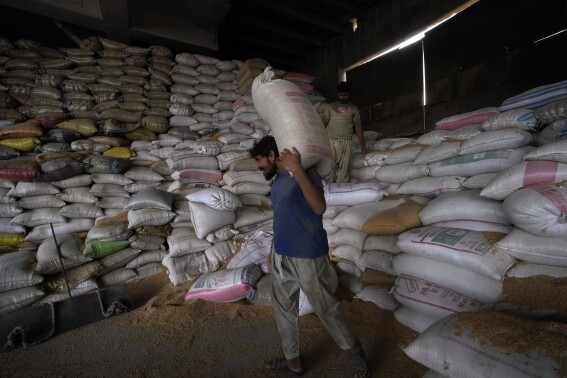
x=284, y=32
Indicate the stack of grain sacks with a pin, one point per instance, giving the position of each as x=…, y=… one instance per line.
x=98, y=124
x=446, y=219
x=485, y=235
x=216, y=162
x=293, y=122
x=213, y=172
x=534, y=200
x=86, y=105
x=456, y=223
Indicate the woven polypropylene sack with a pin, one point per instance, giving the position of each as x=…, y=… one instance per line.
x=452, y=346
x=226, y=285
x=447, y=275
x=17, y=271
x=294, y=121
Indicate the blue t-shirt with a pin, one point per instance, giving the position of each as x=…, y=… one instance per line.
x=298, y=230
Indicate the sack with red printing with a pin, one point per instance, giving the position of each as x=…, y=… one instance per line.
x=229, y=285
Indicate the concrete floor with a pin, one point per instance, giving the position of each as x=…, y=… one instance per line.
x=167, y=337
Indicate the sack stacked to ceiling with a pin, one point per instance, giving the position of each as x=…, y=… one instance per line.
x=104, y=143
x=124, y=157
x=473, y=220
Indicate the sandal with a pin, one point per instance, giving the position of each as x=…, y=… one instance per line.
x=359, y=368
x=280, y=366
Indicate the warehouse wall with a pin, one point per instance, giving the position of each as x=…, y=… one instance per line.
x=387, y=24
x=480, y=57
x=476, y=59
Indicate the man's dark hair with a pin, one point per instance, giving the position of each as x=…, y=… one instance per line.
x=263, y=147
x=344, y=87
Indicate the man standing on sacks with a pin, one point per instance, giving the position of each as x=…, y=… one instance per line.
x=342, y=120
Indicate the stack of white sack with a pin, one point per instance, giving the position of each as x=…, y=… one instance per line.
x=361, y=260
x=133, y=101
x=436, y=165
x=38, y=205
x=482, y=265
x=149, y=240
x=254, y=220
x=469, y=164
x=199, y=164
x=109, y=238
x=359, y=170
x=148, y=213
x=203, y=92
x=450, y=221
x=98, y=179
x=213, y=212
x=253, y=189
x=464, y=272
x=537, y=240
x=382, y=152
x=20, y=288
x=535, y=201
x=108, y=245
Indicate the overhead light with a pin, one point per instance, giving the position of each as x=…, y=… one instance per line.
x=418, y=37
x=354, y=23
x=549, y=36
x=409, y=41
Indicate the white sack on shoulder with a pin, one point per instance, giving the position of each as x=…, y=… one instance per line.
x=294, y=121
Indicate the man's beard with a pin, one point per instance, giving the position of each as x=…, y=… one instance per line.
x=270, y=173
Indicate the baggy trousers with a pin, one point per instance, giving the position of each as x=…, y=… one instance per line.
x=342, y=154
x=315, y=278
